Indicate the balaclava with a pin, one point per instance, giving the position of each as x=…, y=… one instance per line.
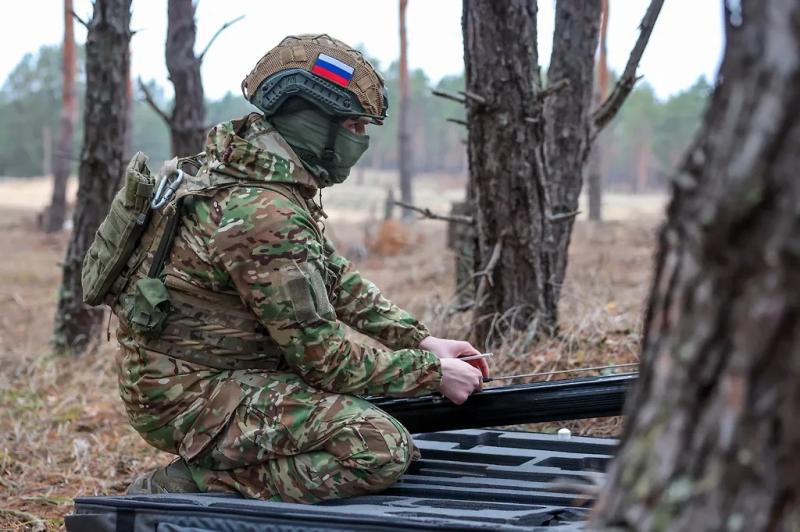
x=327, y=149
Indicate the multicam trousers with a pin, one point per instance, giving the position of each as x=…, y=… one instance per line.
x=288, y=441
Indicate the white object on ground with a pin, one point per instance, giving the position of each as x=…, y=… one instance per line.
x=564, y=434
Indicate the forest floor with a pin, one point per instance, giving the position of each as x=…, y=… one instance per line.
x=63, y=429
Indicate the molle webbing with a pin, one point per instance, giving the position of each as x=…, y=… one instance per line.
x=213, y=329
x=207, y=327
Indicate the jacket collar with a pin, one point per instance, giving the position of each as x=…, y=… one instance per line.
x=251, y=149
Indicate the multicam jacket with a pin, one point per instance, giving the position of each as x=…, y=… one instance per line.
x=256, y=286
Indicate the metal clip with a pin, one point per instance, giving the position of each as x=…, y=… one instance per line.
x=166, y=190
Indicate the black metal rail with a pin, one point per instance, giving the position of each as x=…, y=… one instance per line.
x=587, y=397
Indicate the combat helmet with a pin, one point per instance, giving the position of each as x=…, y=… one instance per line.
x=322, y=70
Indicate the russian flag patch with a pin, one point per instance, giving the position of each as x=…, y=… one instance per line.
x=333, y=70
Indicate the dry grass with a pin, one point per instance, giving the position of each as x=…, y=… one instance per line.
x=63, y=430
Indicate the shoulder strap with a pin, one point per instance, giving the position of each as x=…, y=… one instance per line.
x=189, y=165
x=167, y=237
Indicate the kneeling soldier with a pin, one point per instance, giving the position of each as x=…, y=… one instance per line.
x=233, y=350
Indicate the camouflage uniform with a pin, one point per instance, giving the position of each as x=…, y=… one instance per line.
x=290, y=425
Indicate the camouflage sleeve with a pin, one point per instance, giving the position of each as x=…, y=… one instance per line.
x=360, y=304
x=274, y=255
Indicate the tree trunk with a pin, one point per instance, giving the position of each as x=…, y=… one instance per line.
x=101, y=163
x=595, y=173
x=526, y=153
x=501, y=146
x=128, y=144
x=187, y=123
x=403, y=135
x=56, y=213
x=642, y=162
x=712, y=440
x=47, y=151
x=567, y=127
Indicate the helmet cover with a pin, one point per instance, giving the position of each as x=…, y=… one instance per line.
x=323, y=70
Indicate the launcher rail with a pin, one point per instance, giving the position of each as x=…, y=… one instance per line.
x=559, y=400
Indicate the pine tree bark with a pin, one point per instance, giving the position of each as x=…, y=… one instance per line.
x=187, y=123
x=403, y=134
x=101, y=164
x=56, y=212
x=526, y=150
x=712, y=440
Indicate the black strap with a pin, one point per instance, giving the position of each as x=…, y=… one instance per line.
x=329, y=153
x=165, y=244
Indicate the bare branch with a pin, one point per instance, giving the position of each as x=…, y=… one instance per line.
x=553, y=88
x=486, y=273
x=214, y=37
x=79, y=19
x=608, y=109
x=472, y=96
x=427, y=213
x=152, y=103
x=562, y=216
x=448, y=96
x=458, y=121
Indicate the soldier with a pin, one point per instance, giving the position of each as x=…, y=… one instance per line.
x=248, y=376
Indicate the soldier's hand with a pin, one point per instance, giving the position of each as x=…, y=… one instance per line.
x=459, y=380
x=444, y=348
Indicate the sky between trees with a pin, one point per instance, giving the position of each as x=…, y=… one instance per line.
x=434, y=28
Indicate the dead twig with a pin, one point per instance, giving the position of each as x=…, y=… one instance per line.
x=553, y=88
x=214, y=37
x=488, y=271
x=448, y=96
x=458, y=121
x=79, y=19
x=472, y=96
x=427, y=213
x=152, y=103
x=562, y=216
x=32, y=522
x=609, y=108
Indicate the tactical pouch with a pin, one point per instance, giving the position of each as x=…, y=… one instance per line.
x=150, y=308
x=110, y=259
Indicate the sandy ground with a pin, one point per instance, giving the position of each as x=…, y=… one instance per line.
x=63, y=431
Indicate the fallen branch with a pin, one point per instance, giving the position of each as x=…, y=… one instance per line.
x=608, y=109
x=427, y=213
x=31, y=522
x=152, y=103
x=214, y=37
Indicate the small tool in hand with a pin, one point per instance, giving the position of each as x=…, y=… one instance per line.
x=476, y=357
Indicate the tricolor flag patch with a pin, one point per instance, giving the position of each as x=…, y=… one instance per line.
x=333, y=70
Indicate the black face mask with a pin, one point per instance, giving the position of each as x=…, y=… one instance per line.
x=327, y=153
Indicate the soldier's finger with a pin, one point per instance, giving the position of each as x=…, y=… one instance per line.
x=468, y=349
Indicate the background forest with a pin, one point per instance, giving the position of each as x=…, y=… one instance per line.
x=495, y=245
x=642, y=145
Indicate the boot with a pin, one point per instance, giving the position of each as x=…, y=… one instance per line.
x=174, y=478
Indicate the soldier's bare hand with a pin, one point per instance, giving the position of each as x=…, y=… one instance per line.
x=459, y=380
x=445, y=348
